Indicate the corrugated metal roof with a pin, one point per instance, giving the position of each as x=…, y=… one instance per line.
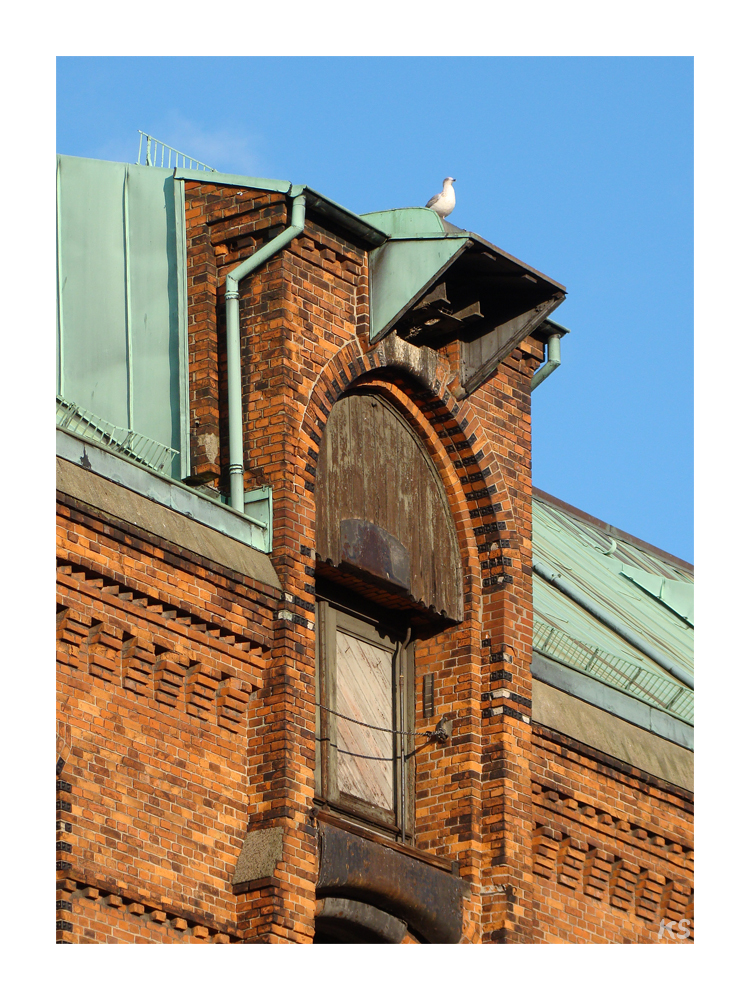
x=644, y=589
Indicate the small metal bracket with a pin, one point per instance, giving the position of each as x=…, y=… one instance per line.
x=443, y=730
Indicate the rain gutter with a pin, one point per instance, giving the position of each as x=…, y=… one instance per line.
x=234, y=370
x=553, y=354
x=352, y=223
x=635, y=640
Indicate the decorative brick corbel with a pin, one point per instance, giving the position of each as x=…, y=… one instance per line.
x=138, y=659
x=200, y=690
x=232, y=697
x=169, y=676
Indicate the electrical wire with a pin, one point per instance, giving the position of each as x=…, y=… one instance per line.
x=367, y=725
x=366, y=756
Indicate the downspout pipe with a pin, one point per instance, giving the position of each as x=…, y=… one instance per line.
x=234, y=372
x=553, y=360
x=570, y=590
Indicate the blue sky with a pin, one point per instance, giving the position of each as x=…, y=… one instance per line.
x=582, y=167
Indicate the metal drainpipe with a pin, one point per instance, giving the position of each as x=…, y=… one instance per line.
x=553, y=360
x=571, y=591
x=234, y=373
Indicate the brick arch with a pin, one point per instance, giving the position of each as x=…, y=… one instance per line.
x=473, y=657
x=417, y=383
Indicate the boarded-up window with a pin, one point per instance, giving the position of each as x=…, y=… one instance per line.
x=365, y=691
x=388, y=573
x=364, y=682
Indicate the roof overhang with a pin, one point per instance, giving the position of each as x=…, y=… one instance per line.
x=364, y=231
x=433, y=283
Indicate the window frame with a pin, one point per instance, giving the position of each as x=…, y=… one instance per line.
x=380, y=631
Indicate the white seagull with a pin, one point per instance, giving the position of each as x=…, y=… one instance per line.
x=445, y=202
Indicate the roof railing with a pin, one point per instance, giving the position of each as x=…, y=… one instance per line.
x=156, y=151
x=74, y=418
x=634, y=679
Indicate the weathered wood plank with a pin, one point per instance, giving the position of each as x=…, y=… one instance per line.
x=365, y=693
x=374, y=468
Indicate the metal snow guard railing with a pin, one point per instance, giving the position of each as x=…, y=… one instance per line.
x=632, y=678
x=152, y=155
x=72, y=417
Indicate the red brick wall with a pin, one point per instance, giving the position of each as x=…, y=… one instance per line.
x=159, y=657
x=612, y=848
x=223, y=227
x=304, y=325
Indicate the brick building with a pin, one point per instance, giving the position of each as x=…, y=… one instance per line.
x=314, y=684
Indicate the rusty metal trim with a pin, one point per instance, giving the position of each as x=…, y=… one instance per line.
x=328, y=816
x=430, y=901
x=371, y=549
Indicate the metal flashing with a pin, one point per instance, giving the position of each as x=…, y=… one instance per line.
x=232, y=180
x=316, y=202
x=609, y=699
x=412, y=223
x=165, y=491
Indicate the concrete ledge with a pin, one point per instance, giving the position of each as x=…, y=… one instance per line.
x=602, y=731
x=111, y=498
x=624, y=706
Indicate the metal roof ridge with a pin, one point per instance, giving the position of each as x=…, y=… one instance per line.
x=453, y=232
x=609, y=528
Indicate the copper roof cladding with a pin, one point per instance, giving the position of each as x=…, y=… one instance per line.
x=434, y=283
x=643, y=588
x=616, y=533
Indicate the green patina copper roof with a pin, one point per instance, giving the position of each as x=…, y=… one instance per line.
x=418, y=249
x=645, y=589
x=121, y=302
x=414, y=222
x=122, y=299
